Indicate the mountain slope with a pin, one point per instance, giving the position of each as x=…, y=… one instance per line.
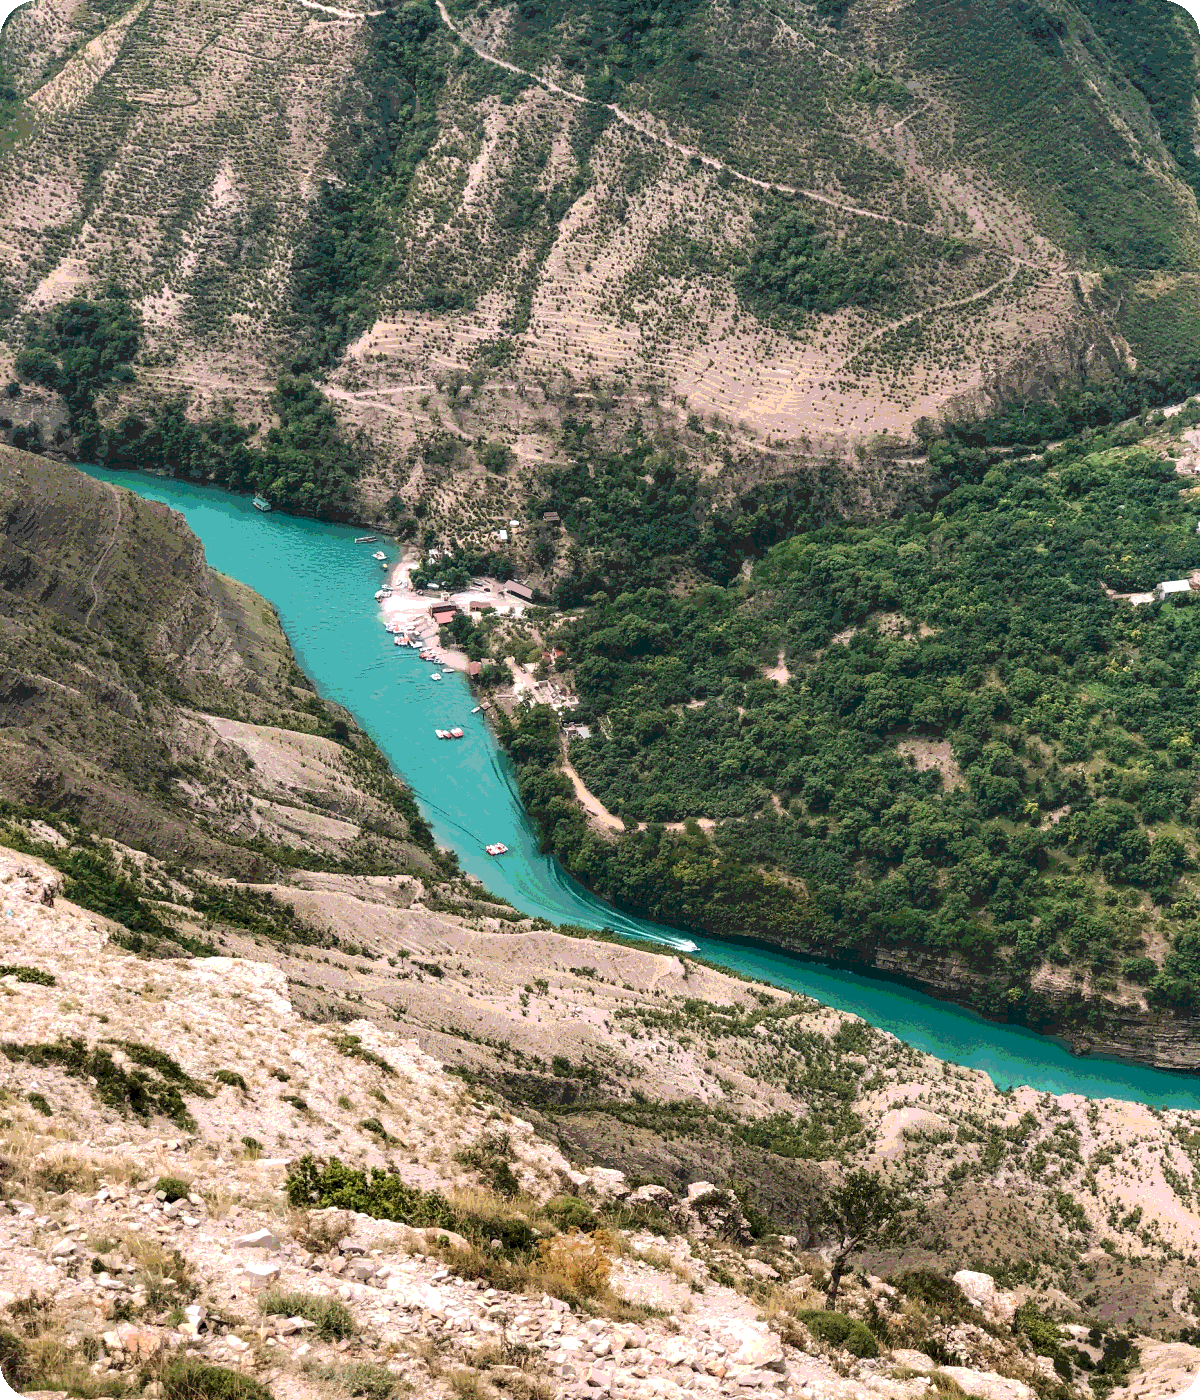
x=147, y=696
x=817, y=224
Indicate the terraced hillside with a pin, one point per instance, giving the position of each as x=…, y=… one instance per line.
x=815, y=224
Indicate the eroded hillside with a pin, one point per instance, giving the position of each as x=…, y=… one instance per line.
x=810, y=225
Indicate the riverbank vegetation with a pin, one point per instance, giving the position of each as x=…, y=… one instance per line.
x=939, y=737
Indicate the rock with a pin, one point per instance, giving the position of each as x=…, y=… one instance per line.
x=981, y=1292
x=711, y=1212
x=260, y=1239
x=607, y=1183
x=349, y=1246
x=652, y=1195
x=63, y=1249
x=137, y=1341
x=913, y=1360
x=986, y=1385
x=760, y=1350
x=260, y=1275
x=759, y=1269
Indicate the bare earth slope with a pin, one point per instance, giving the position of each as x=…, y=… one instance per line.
x=999, y=208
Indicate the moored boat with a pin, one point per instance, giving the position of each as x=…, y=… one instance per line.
x=379, y=554
x=365, y=539
x=261, y=503
x=498, y=848
x=435, y=676
x=456, y=733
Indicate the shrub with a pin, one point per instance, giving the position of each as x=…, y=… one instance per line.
x=316, y=1184
x=232, y=1078
x=40, y=1102
x=192, y=1380
x=939, y=1294
x=490, y=1156
x=14, y=1360
x=838, y=1330
x=173, y=1187
x=352, y=1045
x=333, y=1319
x=22, y=973
x=570, y=1213
x=575, y=1264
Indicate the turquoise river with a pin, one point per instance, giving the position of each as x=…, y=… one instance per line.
x=322, y=585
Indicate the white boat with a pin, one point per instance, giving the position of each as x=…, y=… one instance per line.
x=436, y=676
x=397, y=642
x=456, y=733
x=380, y=596
x=365, y=539
x=261, y=503
x=379, y=554
x=441, y=733
x=476, y=710
x=497, y=849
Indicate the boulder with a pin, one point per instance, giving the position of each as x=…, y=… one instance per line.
x=652, y=1195
x=913, y=1360
x=607, y=1183
x=260, y=1275
x=260, y=1239
x=987, y=1385
x=758, y=1350
x=981, y=1292
x=711, y=1213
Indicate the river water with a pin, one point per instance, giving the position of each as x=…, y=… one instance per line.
x=322, y=585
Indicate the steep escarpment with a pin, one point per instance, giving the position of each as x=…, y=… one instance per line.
x=135, y=683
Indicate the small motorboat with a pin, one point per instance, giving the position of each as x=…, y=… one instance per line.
x=365, y=539
x=399, y=642
x=380, y=595
x=456, y=733
x=261, y=503
x=498, y=848
x=476, y=710
x=379, y=554
x=442, y=733
x=436, y=676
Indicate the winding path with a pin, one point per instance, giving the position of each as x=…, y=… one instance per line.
x=692, y=153
x=106, y=554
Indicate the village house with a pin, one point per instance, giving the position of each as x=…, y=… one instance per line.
x=1170, y=588
x=443, y=613
x=519, y=590
x=478, y=605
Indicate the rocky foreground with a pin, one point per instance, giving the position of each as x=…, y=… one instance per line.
x=157, y=1222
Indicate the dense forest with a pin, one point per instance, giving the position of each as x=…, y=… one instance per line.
x=939, y=733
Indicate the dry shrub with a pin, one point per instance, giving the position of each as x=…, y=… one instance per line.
x=576, y=1263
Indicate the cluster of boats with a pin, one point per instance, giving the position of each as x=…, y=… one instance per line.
x=401, y=638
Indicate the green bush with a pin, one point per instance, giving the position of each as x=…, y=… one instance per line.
x=570, y=1213
x=15, y=1364
x=937, y=1292
x=192, y=1380
x=232, y=1078
x=333, y=1319
x=316, y=1185
x=841, y=1331
x=134, y=1091
x=173, y=1187
x=34, y=975
x=40, y=1102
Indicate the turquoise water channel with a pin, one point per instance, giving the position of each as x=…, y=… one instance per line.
x=323, y=586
